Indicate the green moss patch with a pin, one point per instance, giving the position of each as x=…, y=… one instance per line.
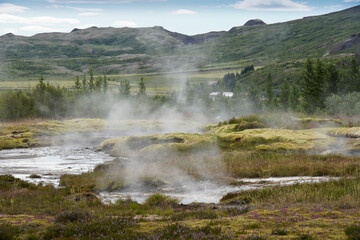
x=158, y=144
x=275, y=140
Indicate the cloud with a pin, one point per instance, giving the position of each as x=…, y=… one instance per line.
x=11, y=8
x=40, y=29
x=86, y=26
x=89, y=14
x=351, y=0
x=125, y=24
x=101, y=2
x=43, y=20
x=86, y=9
x=271, y=5
x=10, y=30
x=184, y=12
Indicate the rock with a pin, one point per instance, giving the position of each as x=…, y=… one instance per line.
x=34, y=176
x=75, y=30
x=254, y=22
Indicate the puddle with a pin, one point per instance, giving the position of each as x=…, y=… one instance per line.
x=75, y=154
x=207, y=191
x=49, y=162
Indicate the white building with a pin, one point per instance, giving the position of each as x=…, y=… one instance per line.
x=214, y=95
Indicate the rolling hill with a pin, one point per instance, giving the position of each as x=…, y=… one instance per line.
x=147, y=50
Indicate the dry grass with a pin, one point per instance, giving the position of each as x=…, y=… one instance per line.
x=344, y=193
x=158, y=144
x=265, y=164
x=276, y=140
x=353, y=132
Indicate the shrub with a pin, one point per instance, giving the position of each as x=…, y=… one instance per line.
x=8, y=231
x=280, y=232
x=348, y=104
x=160, y=200
x=353, y=232
x=72, y=216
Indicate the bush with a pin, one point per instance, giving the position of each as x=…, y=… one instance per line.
x=8, y=231
x=160, y=200
x=353, y=232
x=280, y=232
x=348, y=104
x=15, y=105
x=72, y=216
x=8, y=182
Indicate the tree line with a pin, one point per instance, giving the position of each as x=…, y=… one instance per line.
x=323, y=84
x=88, y=98
x=326, y=87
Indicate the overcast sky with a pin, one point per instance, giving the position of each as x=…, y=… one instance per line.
x=28, y=17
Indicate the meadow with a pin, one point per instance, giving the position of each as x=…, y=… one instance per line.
x=327, y=210
x=157, y=84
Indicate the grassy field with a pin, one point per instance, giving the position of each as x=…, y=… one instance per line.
x=328, y=210
x=156, y=83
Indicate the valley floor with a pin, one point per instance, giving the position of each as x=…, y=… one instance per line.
x=245, y=148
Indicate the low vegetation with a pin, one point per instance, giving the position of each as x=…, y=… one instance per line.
x=343, y=193
x=31, y=211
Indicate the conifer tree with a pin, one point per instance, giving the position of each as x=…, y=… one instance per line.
x=312, y=86
x=105, y=84
x=124, y=89
x=294, y=97
x=42, y=85
x=142, y=88
x=98, y=84
x=253, y=95
x=284, y=95
x=77, y=86
x=319, y=84
x=269, y=91
x=91, y=85
x=84, y=84
x=333, y=79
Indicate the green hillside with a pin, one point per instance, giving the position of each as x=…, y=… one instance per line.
x=319, y=36
x=115, y=51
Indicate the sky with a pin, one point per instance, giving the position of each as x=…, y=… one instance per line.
x=29, y=17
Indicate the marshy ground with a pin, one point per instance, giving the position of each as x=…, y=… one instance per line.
x=246, y=148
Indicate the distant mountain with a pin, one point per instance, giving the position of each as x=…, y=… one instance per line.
x=141, y=50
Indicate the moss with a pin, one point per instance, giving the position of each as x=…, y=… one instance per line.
x=275, y=140
x=29, y=133
x=308, y=123
x=353, y=132
x=158, y=144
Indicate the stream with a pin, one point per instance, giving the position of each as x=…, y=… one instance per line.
x=76, y=154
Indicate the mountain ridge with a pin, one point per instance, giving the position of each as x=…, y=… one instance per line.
x=156, y=49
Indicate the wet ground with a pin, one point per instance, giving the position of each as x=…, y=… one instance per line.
x=76, y=153
x=71, y=154
x=206, y=191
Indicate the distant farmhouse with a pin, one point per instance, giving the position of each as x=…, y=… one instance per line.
x=215, y=95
